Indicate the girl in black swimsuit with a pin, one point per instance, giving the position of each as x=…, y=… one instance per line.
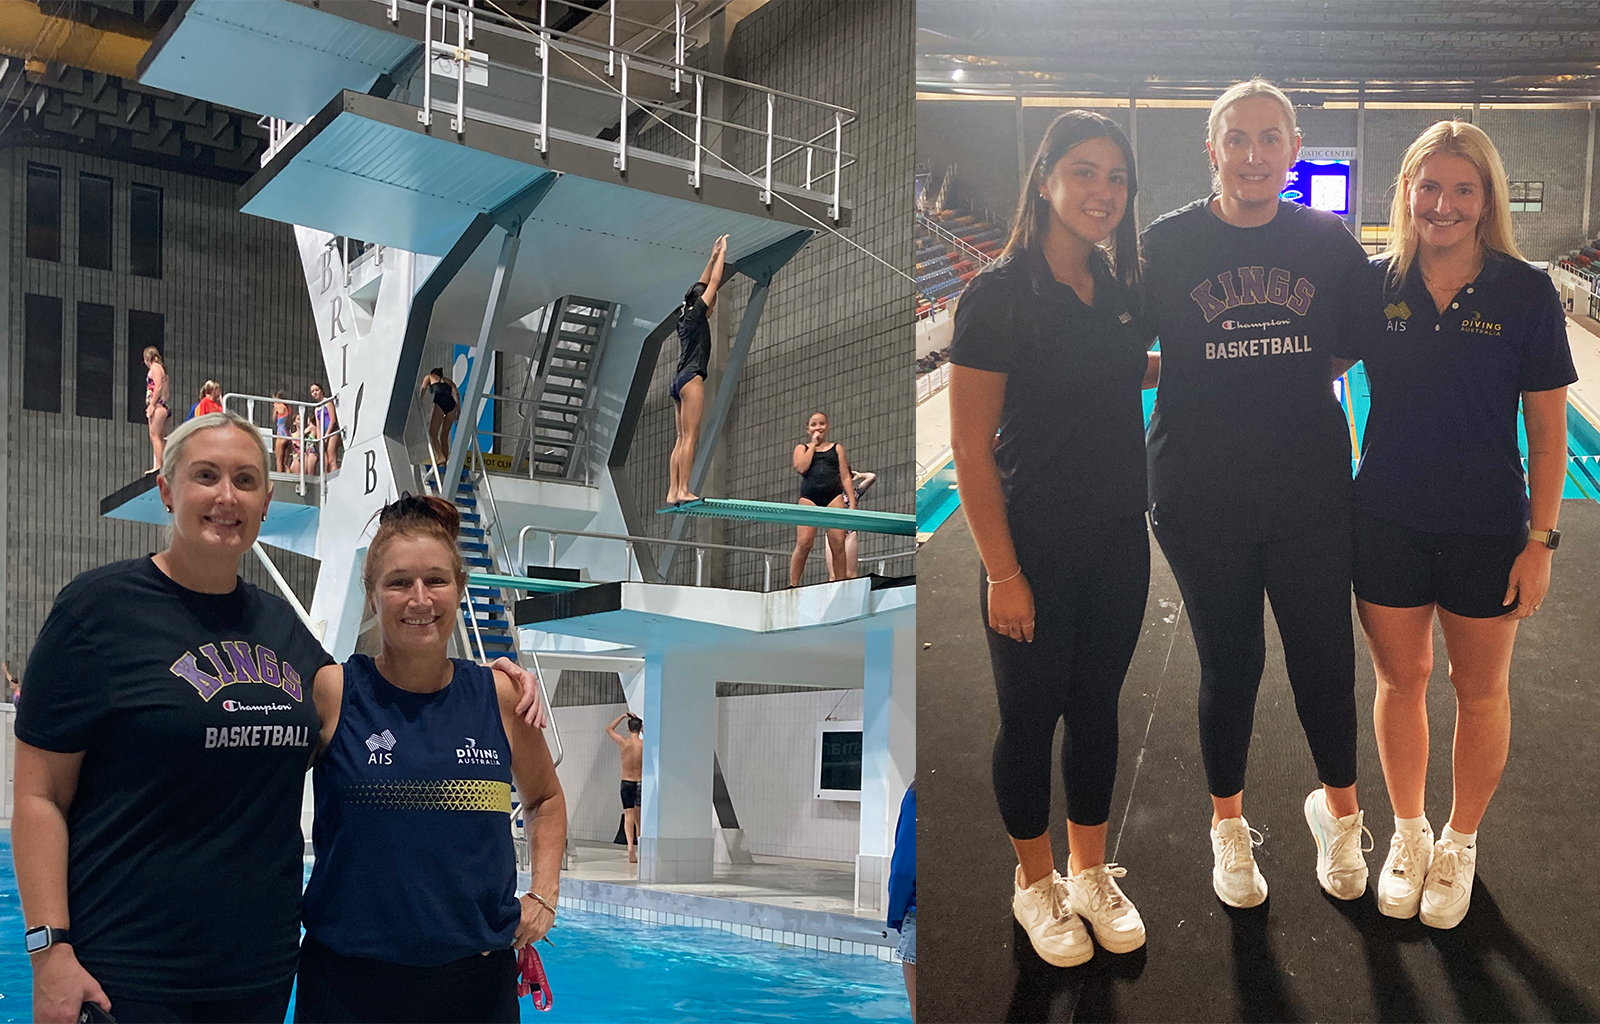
x=446, y=407
x=825, y=480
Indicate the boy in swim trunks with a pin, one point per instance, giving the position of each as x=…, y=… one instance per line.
x=631, y=750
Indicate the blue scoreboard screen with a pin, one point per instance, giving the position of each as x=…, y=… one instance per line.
x=1320, y=184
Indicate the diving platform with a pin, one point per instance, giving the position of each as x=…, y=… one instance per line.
x=864, y=520
x=291, y=522
x=813, y=624
x=531, y=584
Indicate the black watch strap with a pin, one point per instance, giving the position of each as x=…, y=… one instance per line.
x=37, y=940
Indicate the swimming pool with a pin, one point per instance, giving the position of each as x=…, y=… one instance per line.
x=937, y=498
x=605, y=968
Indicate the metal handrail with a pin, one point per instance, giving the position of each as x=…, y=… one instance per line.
x=571, y=44
x=269, y=433
x=983, y=258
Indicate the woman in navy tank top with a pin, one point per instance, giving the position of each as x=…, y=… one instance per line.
x=412, y=912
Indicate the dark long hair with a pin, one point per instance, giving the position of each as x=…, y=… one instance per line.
x=1032, y=219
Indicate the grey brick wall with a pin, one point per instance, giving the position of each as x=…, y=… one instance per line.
x=236, y=311
x=837, y=331
x=1536, y=144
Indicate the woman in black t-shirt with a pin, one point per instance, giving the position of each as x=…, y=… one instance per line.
x=689, y=382
x=1047, y=352
x=161, y=761
x=826, y=480
x=1249, y=461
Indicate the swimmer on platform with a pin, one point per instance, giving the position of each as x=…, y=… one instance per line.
x=689, y=384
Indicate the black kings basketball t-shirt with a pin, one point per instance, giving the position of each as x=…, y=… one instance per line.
x=1247, y=441
x=195, y=717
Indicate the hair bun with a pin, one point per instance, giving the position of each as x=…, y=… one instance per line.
x=426, y=507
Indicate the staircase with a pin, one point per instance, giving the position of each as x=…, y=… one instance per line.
x=485, y=614
x=559, y=393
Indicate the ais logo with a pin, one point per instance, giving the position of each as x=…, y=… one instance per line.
x=1398, y=313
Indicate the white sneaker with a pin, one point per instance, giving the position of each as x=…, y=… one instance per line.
x=1404, y=872
x=1341, y=868
x=1095, y=896
x=1448, y=891
x=1058, y=936
x=1234, y=875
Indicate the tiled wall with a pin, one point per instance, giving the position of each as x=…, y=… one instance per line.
x=768, y=750
x=1536, y=144
x=236, y=310
x=837, y=332
x=766, y=746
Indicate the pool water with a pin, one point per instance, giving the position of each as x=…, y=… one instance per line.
x=605, y=968
x=937, y=498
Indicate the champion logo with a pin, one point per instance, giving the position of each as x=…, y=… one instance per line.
x=381, y=741
x=1239, y=325
x=266, y=709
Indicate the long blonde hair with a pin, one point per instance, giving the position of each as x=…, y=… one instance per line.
x=1468, y=141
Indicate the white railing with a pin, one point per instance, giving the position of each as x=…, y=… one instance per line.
x=298, y=410
x=8, y=755
x=471, y=67
x=949, y=237
x=279, y=132
x=700, y=549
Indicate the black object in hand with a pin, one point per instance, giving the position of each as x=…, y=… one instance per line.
x=90, y=1013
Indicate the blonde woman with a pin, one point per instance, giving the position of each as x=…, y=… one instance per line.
x=1442, y=510
x=157, y=404
x=1249, y=462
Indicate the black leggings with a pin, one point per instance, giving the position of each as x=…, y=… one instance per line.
x=266, y=1007
x=475, y=988
x=1308, y=580
x=1089, y=588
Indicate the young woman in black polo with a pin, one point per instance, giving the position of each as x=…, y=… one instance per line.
x=1442, y=508
x=1048, y=352
x=1249, y=461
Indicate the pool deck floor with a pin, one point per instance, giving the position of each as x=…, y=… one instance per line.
x=1526, y=950
x=819, y=885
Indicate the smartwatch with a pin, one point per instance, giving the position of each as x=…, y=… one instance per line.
x=1549, y=538
x=37, y=940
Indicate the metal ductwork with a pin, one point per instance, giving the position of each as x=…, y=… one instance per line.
x=113, y=47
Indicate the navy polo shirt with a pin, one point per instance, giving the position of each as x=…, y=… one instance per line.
x=1071, y=448
x=1440, y=453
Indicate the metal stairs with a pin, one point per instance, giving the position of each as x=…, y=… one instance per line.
x=560, y=391
x=484, y=613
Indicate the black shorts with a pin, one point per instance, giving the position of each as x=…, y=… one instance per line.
x=1465, y=574
x=630, y=794
x=334, y=987
x=684, y=377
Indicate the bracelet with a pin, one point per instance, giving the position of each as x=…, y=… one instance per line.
x=994, y=582
x=542, y=902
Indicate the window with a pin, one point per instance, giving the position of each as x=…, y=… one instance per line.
x=144, y=330
x=1527, y=196
x=94, y=222
x=96, y=357
x=144, y=231
x=41, y=353
x=44, y=213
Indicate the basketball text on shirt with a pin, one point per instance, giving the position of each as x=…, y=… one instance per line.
x=238, y=667
x=1255, y=286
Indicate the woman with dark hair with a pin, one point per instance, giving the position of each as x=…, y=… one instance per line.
x=446, y=400
x=412, y=911
x=1249, y=465
x=1048, y=351
x=689, y=383
x=157, y=404
x=172, y=709
x=825, y=480
x=1442, y=509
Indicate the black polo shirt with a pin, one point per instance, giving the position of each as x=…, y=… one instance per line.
x=1247, y=441
x=1440, y=452
x=1071, y=445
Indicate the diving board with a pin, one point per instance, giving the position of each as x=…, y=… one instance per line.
x=528, y=583
x=799, y=515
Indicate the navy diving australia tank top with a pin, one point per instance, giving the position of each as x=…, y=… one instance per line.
x=414, y=857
